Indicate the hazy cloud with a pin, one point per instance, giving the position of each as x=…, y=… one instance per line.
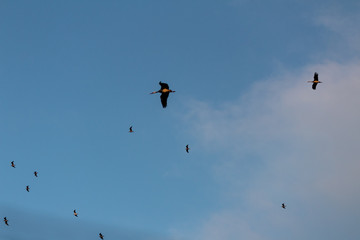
x=284, y=142
x=344, y=24
x=303, y=146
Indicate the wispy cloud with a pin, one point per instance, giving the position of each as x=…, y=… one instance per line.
x=343, y=23
x=305, y=141
x=284, y=142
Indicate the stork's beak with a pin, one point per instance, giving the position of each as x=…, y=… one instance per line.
x=153, y=92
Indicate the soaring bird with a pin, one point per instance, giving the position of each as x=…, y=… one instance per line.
x=187, y=148
x=27, y=188
x=130, y=129
x=283, y=206
x=164, y=90
x=75, y=213
x=316, y=80
x=13, y=164
x=6, y=221
x=101, y=236
x=36, y=174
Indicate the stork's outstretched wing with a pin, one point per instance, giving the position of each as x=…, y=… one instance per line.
x=314, y=86
x=164, y=96
x=316, y=76
x=163, y=85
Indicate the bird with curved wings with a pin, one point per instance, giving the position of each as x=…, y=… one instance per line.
x=165, y=91
x=6, y=221
x=316, y=80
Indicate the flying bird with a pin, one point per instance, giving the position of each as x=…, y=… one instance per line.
x=27, y=188
x=101, y=236
x=187, y=148
x=75, y=213
x=36, y=174
x=316, y=80
x=130, y=129
x=283, y=206
x=6, y=221
x=165, y=91
x=13, y=164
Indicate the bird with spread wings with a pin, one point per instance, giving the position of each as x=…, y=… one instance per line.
x=165, y=91
x=316, y=80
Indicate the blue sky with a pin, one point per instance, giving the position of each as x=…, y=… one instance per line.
x=74, y=76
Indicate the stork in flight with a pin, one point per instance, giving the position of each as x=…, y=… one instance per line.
x=164, y=90
x=316, y=80
x=13, y=164
x=187, y=148
x=27, y=188
x=130, y=129
x=75, y=213
x=36, y=174
x=101, y=236
x=283, y=206
x=6, y=221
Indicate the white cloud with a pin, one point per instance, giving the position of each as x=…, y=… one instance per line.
x=343, y=23
x=284, y=142
x=306, y=143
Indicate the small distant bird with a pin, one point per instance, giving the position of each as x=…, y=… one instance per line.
x=13, y=164
x=283, y=206
x=101, y=236
x=6, y=221
x=130, y=129
x=316, y=80
x=27, y=188
x=187, y=148
x=75, y=213
x=36, y=174
x=164, y=90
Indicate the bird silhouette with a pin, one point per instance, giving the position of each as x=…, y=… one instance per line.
x=13, y=164
x=130, y=129
x=316, y=80
x=75, y=213
x=36, y=174
x=283, y=206
x=164, y=90
x=27, y=188
x=6, y=221
x=101, y=236
x=187, y=148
